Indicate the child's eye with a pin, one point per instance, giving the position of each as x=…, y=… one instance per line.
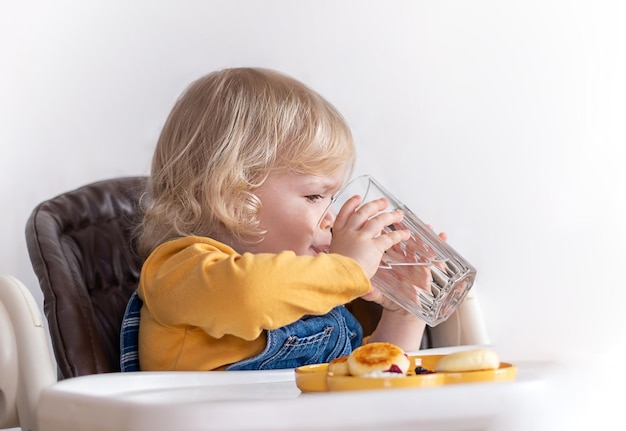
x=314, y=198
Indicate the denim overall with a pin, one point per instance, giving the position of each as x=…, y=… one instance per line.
x=310, y=340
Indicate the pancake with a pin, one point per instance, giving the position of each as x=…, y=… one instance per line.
x=378, y=359
x=339, y=366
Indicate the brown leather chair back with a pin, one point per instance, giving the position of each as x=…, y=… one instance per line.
x=81, y=248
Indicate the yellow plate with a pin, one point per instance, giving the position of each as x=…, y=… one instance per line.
x=505, y=373
x=315, y=378
x=312, y=378
x=351, y=383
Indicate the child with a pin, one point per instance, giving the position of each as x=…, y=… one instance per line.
x=245, y=166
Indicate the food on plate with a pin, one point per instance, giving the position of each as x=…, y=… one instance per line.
x=416, y=371
x=421, y=370
x=339, y=366
x=468, y=360
x=378, y=360
x=388, y=360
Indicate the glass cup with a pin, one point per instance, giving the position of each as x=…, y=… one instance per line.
x=424, y=275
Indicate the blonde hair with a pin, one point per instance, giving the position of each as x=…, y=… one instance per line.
x=226, y=133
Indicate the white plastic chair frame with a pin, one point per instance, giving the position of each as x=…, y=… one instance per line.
x=26, y=365
x=466, y=326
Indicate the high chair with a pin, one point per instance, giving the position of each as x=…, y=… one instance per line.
x=80, y=244
x=81, y=247
x=33, y=399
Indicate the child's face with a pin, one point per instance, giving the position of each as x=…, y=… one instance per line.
x=291, y=208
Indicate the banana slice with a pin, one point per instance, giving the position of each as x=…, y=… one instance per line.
x=468, y=360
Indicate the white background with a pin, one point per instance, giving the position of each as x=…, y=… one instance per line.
x=501, y=122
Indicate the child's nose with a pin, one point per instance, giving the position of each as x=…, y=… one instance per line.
x=328, y=220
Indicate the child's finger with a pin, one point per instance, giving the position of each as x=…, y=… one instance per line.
x=346, y=212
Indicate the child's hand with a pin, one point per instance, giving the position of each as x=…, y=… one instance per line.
x=360, y=234
x=374, y=295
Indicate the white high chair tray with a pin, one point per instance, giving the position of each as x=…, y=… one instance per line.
x=270, y=400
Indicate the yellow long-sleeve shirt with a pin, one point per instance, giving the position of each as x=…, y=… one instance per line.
x=205, y=306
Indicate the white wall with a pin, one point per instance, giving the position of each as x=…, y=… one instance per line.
x=502, y=123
